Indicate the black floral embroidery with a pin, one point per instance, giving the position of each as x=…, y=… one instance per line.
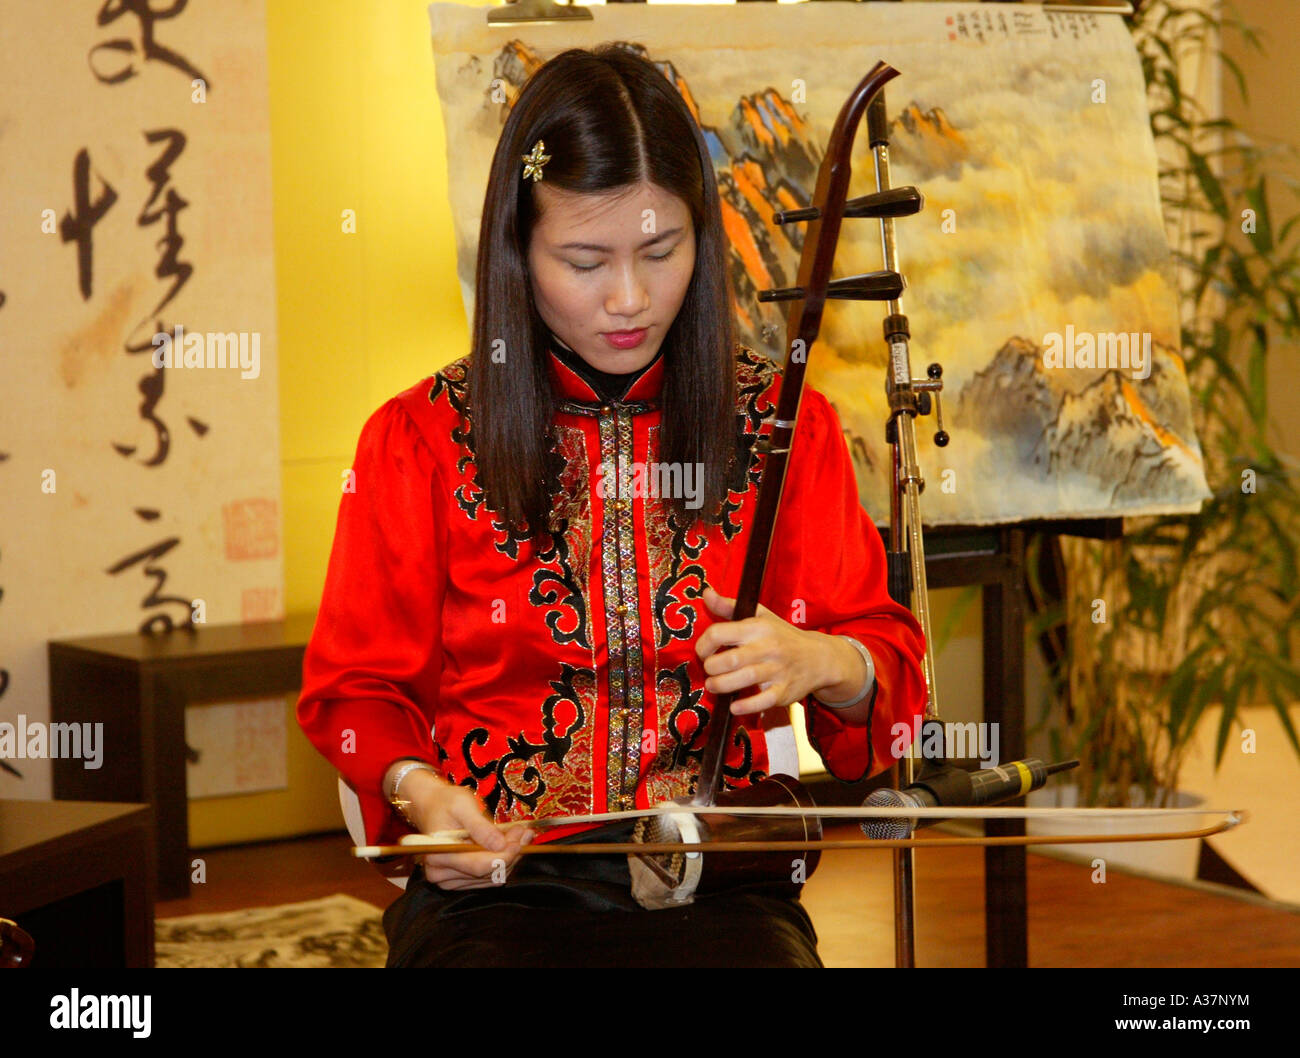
x=754, y=376
x=557, y=585
x=681, y=749
x=675, y=619
x=742, y=771
x=528, y=787
x=451, y=383
x=558, y=591
x=686, y=750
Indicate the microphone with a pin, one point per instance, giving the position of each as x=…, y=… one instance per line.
x=949, y=787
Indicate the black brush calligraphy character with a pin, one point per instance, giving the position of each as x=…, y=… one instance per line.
x=77, y=226
x=159, y=173
x=115, y=57
x=158, y=623
x=169, y=267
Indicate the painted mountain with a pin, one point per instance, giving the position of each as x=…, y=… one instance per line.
x=1072, y=438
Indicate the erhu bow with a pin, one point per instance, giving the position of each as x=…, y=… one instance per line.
x=445, y=842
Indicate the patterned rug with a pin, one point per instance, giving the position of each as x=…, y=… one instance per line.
x=334, y=931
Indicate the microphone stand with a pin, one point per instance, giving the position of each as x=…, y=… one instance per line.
x=905, y=557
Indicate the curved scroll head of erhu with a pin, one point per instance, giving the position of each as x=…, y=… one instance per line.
x=804, y=324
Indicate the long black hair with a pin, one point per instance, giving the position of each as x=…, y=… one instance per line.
x=610, y=119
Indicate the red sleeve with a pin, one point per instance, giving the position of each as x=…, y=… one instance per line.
x=370, y=673
x=826, y=572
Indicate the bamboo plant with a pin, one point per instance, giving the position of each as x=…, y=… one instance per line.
x=1189, y=615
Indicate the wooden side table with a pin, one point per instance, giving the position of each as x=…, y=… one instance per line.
x=79, y=877
x=138, y=686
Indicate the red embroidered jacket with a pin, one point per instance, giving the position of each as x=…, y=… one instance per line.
x=566, y=681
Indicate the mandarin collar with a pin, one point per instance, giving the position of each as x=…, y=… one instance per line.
x=570, y=385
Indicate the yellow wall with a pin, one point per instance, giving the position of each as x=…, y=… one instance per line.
x=355, y=124
x=1269, y=116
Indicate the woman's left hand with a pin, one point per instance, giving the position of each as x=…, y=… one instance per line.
x=786, y=663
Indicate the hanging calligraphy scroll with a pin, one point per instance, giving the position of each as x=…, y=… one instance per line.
x=139, y=450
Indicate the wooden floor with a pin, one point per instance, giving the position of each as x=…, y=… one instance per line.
x=1126, y=922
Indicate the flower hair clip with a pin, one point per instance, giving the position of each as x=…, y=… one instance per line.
x=534, y=160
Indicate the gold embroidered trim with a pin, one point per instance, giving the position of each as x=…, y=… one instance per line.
x=622, y=613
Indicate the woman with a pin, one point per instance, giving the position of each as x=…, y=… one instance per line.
x=526, y=609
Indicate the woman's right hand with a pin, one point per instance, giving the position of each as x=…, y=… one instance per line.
x=438, y=805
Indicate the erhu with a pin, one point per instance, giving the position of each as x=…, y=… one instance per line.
x=666, y=880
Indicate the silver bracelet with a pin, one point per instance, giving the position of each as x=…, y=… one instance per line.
x=404, y=771
x=866, y=686
x=404, y=807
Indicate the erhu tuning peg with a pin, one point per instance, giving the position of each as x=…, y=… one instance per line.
x=869, y=286
x=895, y=202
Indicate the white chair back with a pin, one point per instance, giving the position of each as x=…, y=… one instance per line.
x=351, y=806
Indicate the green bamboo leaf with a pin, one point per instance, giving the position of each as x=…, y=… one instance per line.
x=1286, y=674
x=1240, y=275
x=1209, y=184
x=1171, y=12
x=1257, y=372
x=1226, y=371
x=1257, y=196
x=1247, y=32
x=1235, y=70
x=1232, y=699
x=1206, y=269
x=954, y=615
x=1045, y=619
x=1174, y=117
x=1207, y=692
x=1164, y=47
x=1170, y=80
x=1284, y=539
x=1221, y=737
x=1184, y=675
x=1090, y=730
x=1204, y=17
x=1280, y=706
x=1292, y=319
x=1241, y=146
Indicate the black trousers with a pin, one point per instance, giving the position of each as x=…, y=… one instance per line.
x=580, y=913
